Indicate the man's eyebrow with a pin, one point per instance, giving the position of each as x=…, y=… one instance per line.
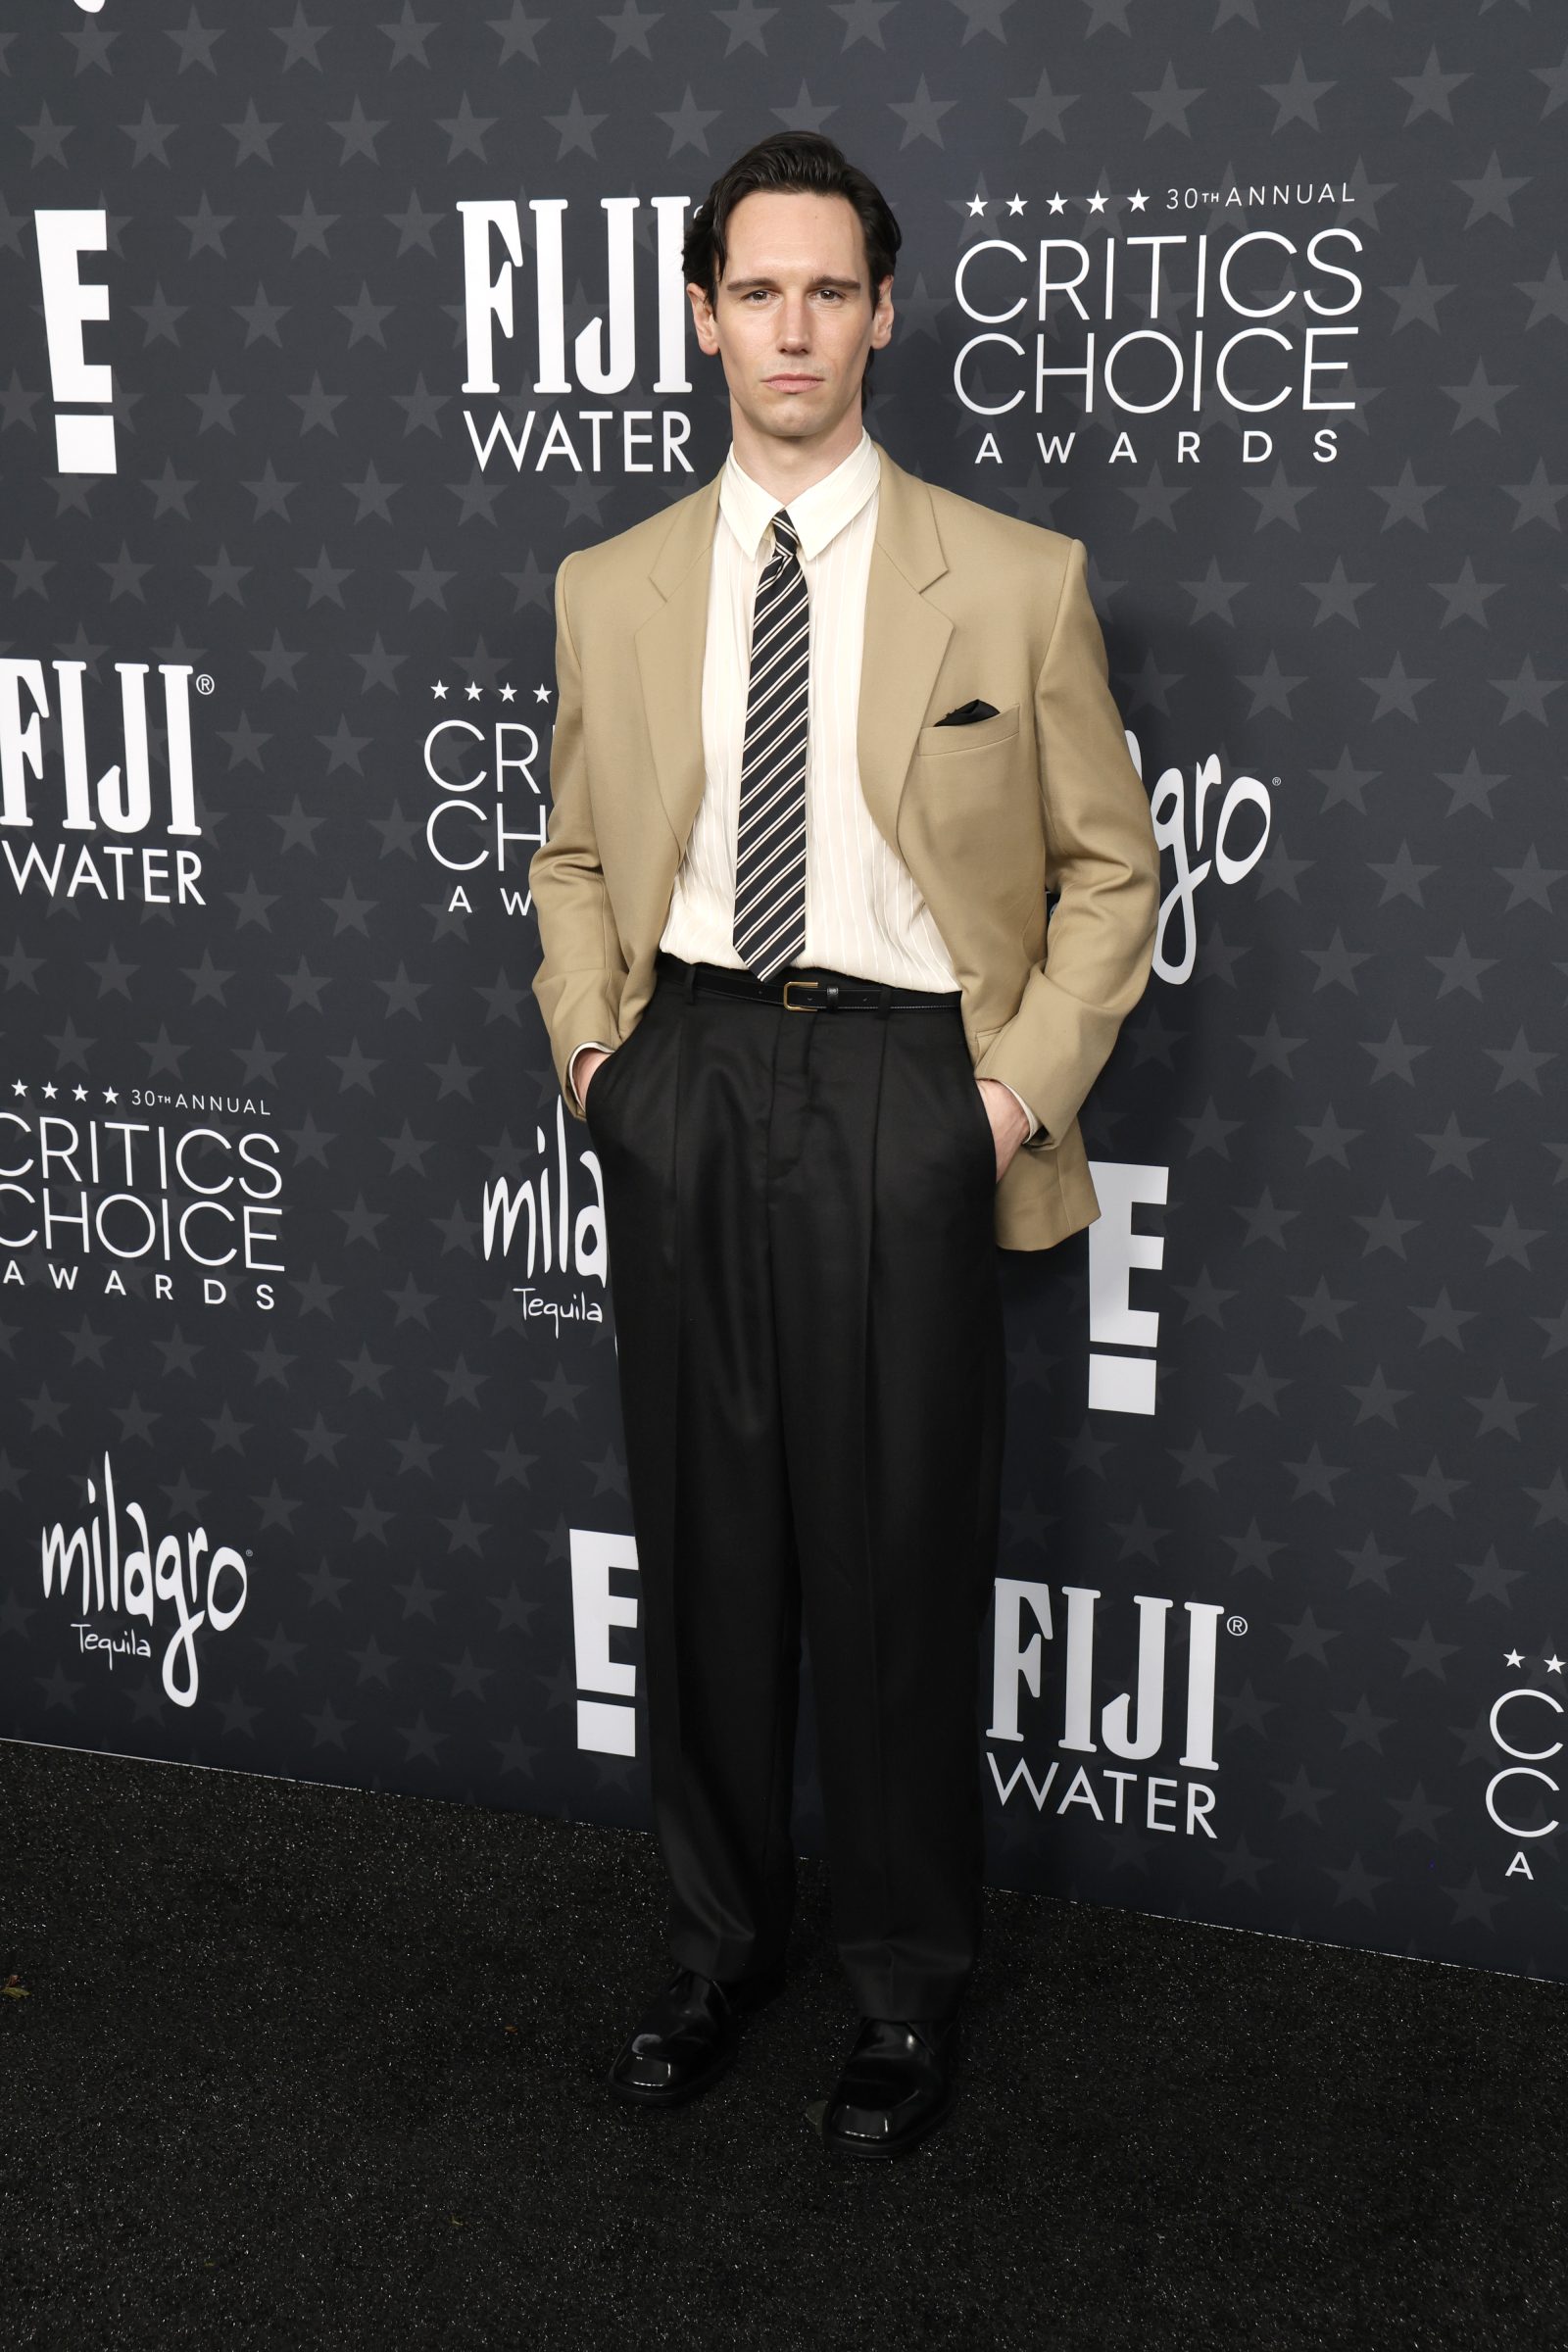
x=743, y=285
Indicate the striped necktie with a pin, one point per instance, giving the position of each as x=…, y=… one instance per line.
x=770, y=928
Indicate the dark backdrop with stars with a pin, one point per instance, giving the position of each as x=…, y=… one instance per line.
x=309, y=526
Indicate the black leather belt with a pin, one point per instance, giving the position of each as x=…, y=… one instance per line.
x=808, y=988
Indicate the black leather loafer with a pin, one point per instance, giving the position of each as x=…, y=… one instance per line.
x=895, y=2086
x=686, y=2037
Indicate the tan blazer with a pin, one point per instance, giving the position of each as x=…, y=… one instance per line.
x=962, y=603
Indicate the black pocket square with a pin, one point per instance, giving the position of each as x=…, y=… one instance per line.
x=967, y=714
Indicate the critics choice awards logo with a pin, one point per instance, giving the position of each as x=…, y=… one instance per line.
x=1148, y=329
x=488, y=811
x=99, y=1183
x=1523, y=1793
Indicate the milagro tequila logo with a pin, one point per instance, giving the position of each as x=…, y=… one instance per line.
x=145, y=1586
x=1232, y=821
x=1135, y=1727
x=551, y=1221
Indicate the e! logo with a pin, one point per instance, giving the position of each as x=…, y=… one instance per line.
x=607, y=1724
x=1120, y=1383
x=83, y=444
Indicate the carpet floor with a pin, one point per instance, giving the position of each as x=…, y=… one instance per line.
x=293, y=2065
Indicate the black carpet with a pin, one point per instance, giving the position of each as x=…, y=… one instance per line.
x=285, y=2064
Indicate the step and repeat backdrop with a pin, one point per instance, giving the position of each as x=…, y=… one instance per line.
x=327, y=337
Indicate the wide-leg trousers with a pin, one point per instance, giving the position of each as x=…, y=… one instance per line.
x=798, y=1217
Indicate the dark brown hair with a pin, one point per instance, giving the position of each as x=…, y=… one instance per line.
x=799, y=162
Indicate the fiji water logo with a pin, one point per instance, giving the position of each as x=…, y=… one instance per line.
x=1135, y=1727
x=123, y=799
x=183, y=1577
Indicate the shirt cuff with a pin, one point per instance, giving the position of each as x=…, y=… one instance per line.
x=590, y=1045
x=1034, y=1123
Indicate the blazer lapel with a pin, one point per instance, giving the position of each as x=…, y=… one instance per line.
x=670, y=645
x=906, y=639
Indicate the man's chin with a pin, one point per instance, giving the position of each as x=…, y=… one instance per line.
x=794, y=417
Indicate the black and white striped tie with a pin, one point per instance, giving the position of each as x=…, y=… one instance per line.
x=770, y=928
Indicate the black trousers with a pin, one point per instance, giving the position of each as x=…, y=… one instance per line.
x=798, y=1215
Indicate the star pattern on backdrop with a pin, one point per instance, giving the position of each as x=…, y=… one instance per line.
x=1358, y=1442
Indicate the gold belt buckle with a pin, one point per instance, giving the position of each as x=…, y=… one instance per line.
x=788, y=985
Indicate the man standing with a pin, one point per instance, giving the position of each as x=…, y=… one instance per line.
x=827, y=738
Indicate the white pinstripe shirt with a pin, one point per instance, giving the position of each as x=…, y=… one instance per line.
x=865, y=911
x=864, y=914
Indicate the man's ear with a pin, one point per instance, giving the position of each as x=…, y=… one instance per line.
x=703, y=317
x=882, y=316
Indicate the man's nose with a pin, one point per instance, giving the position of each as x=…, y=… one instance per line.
x=794, y=324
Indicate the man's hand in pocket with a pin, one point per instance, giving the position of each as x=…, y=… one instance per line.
x=588, y=1061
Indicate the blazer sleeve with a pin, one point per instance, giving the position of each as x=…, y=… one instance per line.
x=1103, y=860
x=578, y=983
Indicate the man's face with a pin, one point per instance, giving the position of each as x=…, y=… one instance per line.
x=795, y=317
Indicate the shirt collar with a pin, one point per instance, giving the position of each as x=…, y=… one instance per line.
x=819, y=513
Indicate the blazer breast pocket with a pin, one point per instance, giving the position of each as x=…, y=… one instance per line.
x=960, y=743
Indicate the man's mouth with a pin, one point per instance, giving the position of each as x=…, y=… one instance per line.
x=791, y=383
